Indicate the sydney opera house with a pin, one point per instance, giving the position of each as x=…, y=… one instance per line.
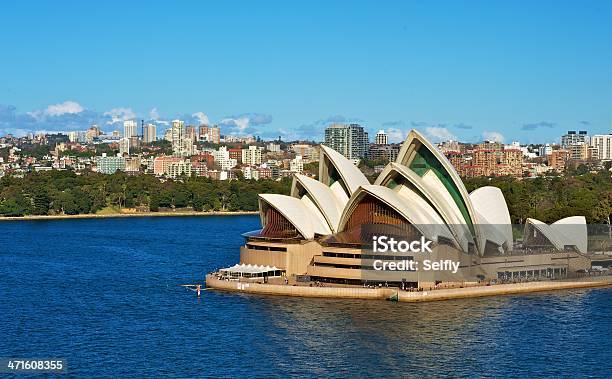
x=321, y=231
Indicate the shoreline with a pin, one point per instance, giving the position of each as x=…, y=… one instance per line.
x=121, y=215
x=402, y=296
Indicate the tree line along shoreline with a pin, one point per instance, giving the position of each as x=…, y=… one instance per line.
x=65, y=193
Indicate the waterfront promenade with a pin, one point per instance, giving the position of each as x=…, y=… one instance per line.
x=356, y=292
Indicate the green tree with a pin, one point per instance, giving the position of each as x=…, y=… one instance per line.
x=15, y=206
x=40, y=200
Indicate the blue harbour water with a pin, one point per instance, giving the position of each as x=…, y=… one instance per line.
x=105, y=294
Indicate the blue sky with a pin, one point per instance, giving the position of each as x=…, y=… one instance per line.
x=468, y=70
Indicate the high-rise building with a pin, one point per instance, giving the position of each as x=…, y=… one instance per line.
x=544, y=150
x=252, y=155
x=223, y=160
x=203, y=133
x=187, y=147
x=182, y=144
x=190, y=132
x=574, y=138
x=349, y=140
x=296, y=164
x=130, y=129
x=210, y=134
x=176, y=137
x=381, y=138
x=214, y=134
x=124, y=146
x=603, y=144
x=150, y=133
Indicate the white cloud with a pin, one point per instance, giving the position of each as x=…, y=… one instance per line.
x=154, y=115
x=396, y=135
x=201, y=117
x=439, y=134
x=241, y=124
x=70, y=107
x=119, y=115
x=66, y=108
x=246, y=122
x=254, y=118
x=493, y=136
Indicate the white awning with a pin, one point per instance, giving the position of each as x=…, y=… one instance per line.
x=249, y=269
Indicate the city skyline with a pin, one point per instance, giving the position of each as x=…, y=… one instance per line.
x=70, y=116
x=159, y=128
x=517, y=71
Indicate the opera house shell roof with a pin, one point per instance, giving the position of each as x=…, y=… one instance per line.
x=420, y=191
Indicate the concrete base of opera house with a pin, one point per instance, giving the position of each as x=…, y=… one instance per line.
x=356, y=292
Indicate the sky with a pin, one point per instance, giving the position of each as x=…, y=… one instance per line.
x=466, y=70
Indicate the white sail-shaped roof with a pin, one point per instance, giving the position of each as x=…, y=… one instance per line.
x=569, y=231
x=547, y=231
x=493, y=215
x=420, y=156
x=423, y=187
x=431, y=189
x=306, y=218
x=572, y=231
x=350, y=175
x=327, y=202
x=414, y=209
x=339, y=192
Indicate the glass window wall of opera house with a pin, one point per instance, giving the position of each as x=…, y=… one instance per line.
x=323, y=232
